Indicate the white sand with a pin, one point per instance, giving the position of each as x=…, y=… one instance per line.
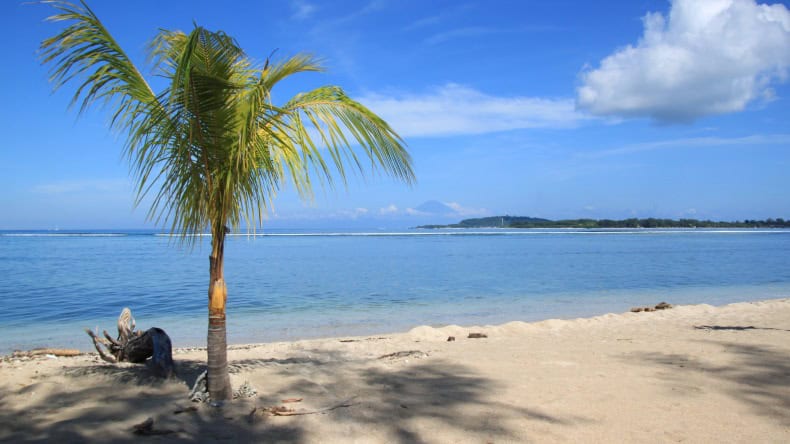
x=688, y=374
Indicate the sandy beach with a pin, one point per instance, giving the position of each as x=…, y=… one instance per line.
x=688, y=374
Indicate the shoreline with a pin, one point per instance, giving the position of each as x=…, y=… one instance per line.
x=694, y=373
x=189, y=329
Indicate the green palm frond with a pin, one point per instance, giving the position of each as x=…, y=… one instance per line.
x=85, y=49
x=334, y=117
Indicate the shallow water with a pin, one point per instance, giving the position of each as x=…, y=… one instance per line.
x=292, y=285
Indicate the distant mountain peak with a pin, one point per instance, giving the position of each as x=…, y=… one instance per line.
x=435, y=207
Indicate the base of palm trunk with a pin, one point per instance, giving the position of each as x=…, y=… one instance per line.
x=218, y=379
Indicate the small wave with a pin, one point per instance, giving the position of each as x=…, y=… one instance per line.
x=180, y=235
x=63, y=234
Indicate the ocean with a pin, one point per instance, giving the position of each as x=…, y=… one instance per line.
x=288, y=285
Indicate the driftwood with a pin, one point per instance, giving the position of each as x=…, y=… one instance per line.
x=282, y=410
x=199, y=392
x=404, y=354
x=47, y=351
x=660, y=306
x=136, y=346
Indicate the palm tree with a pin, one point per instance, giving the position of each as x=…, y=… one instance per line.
x=212, y=142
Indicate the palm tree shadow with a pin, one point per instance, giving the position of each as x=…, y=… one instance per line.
x=117, y=398
x=407, y=403
x=186, y=371
x=758, y=376
x=400, y=402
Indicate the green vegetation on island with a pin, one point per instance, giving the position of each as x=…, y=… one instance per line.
x=534, y=222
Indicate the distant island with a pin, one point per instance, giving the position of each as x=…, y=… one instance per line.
x=535, y=222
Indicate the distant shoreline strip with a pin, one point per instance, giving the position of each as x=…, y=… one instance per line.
x=456, y=232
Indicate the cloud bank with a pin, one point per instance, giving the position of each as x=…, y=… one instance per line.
x=459, y=110
x=434, y=208
x=706, y=57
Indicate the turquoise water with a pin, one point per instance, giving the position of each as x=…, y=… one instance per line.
x=292, y=285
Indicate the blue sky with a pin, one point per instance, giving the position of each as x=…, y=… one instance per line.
x=558, y=109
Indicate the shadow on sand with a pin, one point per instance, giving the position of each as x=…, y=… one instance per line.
x=118, y=397
x=407, y=403
x=756, y=376
x=401, y=403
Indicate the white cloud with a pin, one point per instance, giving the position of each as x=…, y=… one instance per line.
x=472, y=31
x=390, y=209
x=83, y=186
x=320, y=214
x=351, y=214
x=467, y=212
x=478, y=31
x=302, y=9
x=451, y=209
x=446, y=12
x=341, y=22
x=706, y=57
x=695, y=142
x=425, y=21
x=389, y=212
x=457, y=110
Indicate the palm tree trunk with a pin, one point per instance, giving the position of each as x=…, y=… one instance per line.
x=218, y=379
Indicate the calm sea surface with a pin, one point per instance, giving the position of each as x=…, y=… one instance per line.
x=293, y=285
